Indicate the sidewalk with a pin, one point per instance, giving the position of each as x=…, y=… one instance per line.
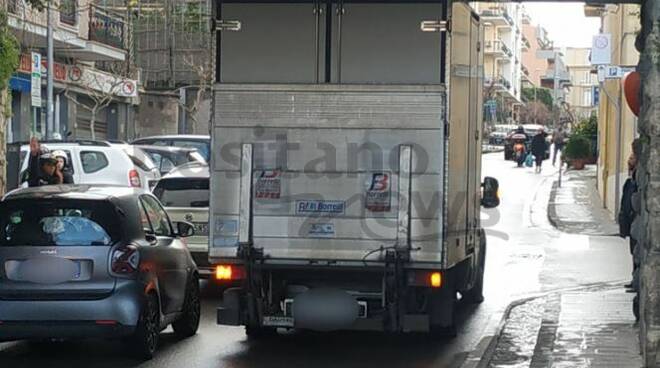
x=592, y=326
x=589, y=328
x=575, y=207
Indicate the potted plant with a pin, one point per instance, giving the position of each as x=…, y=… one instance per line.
x=577, y=151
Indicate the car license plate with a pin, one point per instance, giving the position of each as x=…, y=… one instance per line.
x=277, y=321
x=201, y=228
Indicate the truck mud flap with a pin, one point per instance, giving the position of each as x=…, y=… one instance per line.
x=230, y=312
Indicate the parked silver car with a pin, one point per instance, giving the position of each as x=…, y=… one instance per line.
x=82, y=261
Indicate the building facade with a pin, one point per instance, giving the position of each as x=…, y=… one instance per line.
x=535, y=38
x=85, y=36
x=617, y=125
x=583, y=96
x=503, y=42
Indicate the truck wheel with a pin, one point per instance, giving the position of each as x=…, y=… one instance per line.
x=476, y=294
x=259, y=332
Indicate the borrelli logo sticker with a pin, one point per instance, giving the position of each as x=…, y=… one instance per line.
x=378, y=196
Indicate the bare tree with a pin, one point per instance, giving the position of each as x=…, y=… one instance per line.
x=101, y=90
x=204, y=73
x=535, y=112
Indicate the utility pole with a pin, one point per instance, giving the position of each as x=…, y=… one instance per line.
x=51, y=71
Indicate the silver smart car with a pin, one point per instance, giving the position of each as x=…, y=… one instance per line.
x=82, y=261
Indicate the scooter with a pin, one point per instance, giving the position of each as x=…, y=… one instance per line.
x=519, y=148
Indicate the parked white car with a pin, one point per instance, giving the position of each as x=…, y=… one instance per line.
x=184, y=193
x=97, y=162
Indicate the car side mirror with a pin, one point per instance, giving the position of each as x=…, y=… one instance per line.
x=151, y=238
x=185, y=229
x=490, y=197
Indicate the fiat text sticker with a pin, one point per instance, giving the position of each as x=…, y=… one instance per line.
x=310, y=207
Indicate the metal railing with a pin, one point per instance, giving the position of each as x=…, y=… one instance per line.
x=106, y=27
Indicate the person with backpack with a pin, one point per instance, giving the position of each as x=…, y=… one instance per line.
x=539, y=147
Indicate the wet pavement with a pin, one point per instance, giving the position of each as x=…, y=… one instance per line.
x=526, y=256
x=575, y=206
x=579, y=329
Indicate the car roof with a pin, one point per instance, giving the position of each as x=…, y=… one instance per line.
x=62, y=144
x=176, y=136
x=88, y=192
x=165, y=148
x=190, y=170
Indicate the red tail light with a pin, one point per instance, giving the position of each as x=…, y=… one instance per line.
x=229, y=272
x=125, y=260
x=134, y=179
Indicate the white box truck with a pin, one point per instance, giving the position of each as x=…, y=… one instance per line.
x=345, y=175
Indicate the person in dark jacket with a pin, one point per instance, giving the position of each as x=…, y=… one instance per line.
x=42, y=166
x=539, y=147
x=627, y=213
x=63, y=167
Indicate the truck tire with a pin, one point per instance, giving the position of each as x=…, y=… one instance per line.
x=476, y=294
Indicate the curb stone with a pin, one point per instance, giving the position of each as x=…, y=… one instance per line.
x=482, y=355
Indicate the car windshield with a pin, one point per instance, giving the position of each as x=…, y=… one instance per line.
x=183, y=192
x=39, y=222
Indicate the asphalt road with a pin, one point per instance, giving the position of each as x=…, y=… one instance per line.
x=525, y=255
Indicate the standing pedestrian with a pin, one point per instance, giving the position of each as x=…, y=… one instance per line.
x=627, y=216
x=558, y=141
x=539, y=147
x=42, y=166
x=63, y=167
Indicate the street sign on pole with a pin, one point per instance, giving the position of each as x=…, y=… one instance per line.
x=35, y=84
x=601, y=49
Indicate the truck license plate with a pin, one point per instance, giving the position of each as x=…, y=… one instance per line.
x=276, y=321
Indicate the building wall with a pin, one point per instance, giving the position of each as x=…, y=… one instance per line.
x=536, y=66
x=157, y=114
x=622, y=22
x=583, y=82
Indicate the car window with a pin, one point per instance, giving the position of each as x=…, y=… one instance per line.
x=93, y=161
x=184, y=192
x=201, y=147
x=157, y=217
x=39, y=222
x=166, y=165
x=140, y=159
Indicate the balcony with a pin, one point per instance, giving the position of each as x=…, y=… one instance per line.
x=499, y=83
x=106, y=27
x=498, y=16
x=71, y=35
x=498, y=49
x=526, y=45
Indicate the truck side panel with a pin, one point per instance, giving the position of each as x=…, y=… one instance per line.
x=462, y=207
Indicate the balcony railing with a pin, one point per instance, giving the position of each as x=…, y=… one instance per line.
x=14, y=6
x=106, y=27
x=498, y=81
x=498, y=12
x=506, y=49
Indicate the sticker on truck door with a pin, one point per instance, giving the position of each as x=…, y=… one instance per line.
x=311, y=207
x=317, y=230
x=268, y=185
x=378, y=196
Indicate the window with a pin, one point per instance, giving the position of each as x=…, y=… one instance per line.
x=93, y=161
x=39, y=222
x=140, y=159
x=187, y=192
x=202, y=147
x=160, y=223
x=68, y=12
